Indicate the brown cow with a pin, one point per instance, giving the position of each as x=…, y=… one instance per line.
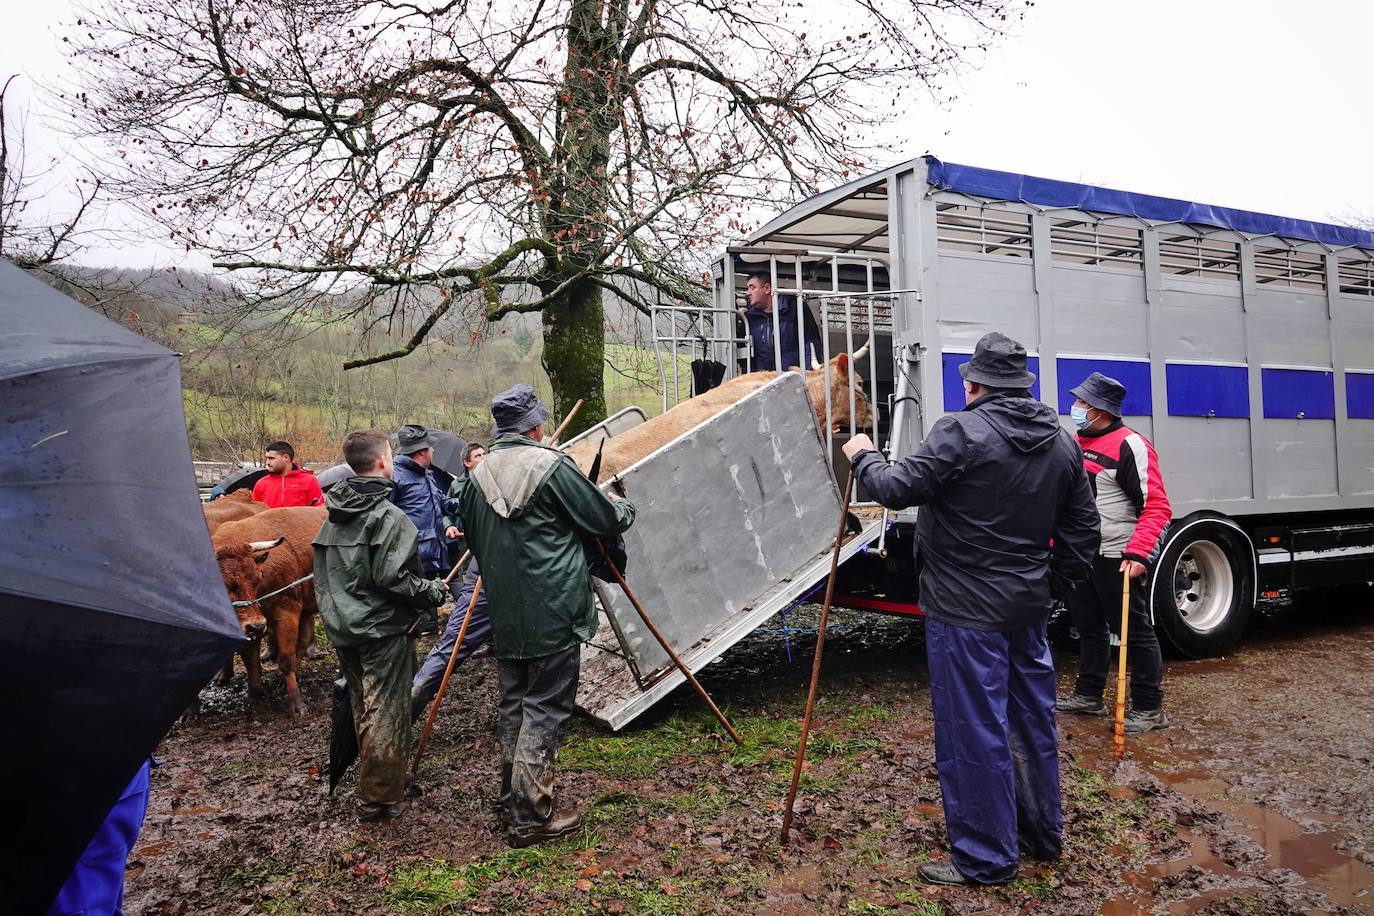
x=259, y=555
x=625, y=449
x=237, y=505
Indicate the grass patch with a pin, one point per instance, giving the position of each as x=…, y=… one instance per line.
x=231, y=768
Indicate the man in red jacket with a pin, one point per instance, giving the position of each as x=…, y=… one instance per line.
x=286, y=483
x=1134, y=509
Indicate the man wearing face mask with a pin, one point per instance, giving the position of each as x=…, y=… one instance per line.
x=1134, y=509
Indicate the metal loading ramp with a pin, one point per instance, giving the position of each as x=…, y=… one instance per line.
x=736, y=520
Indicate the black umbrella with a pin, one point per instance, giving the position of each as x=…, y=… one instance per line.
x=114, y=613
x=448, y=451
x=244, y=477
x=343, y=735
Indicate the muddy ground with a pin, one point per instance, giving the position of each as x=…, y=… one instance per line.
x=1259, y=800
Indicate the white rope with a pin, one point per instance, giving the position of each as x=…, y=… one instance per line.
x=271, y=594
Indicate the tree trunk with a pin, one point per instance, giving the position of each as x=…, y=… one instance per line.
x=575, y=355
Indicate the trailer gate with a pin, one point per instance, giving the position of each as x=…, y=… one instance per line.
x=734, y=522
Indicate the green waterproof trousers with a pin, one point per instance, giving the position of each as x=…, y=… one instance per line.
x=379, y=672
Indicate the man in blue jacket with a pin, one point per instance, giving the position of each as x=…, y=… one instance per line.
x=417, y=494
x=759, y=318
x=1007, y=521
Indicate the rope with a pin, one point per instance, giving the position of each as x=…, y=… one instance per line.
x=271, y=594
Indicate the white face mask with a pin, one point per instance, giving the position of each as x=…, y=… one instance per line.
x=1079, y=415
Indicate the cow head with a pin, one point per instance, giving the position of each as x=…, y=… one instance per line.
x=835, y=376
x=239, y=566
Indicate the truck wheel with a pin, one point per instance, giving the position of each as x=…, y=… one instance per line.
x=1203, y=588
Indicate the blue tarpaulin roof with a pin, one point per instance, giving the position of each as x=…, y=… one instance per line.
x=1045, y=192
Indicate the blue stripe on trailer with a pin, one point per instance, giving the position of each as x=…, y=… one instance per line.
x=1359, y=395
x=1207, y=391
x=1290, y=392
x=1134, y=375
x=954, y=382
x=1046, y=192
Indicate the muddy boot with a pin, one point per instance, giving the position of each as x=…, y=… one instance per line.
x=1080, y=705
x=564, y=822
x=376, y=812
x=269, y=649
x=417, y=707
x=1145, y=720
x=503, y=803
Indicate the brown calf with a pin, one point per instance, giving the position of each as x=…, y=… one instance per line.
x=259, y=555
x=625, y=449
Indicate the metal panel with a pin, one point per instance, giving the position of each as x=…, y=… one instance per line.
x=1301, y=456
x=1099, y=311
x=1360, y=439
x=617, y=423
x=986, y=293
x=1291, y=328
x=1201, y=324
x=1135, y=375
x=953, y=382
x=1299, y=394
x=1359, y=394
x=1197, y=390
x=735, y=519
x=1207, y=461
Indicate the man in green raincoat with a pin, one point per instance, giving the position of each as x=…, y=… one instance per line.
x=527, y=511
x=370, y=592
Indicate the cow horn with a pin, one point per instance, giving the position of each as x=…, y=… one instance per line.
x=815, y=363
x=265, y=545
x=862, y=351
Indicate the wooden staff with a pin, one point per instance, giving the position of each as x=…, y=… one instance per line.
x=448, y=673
x=553, y=440
x=1119, y=736
x=662, y=641
x=816, y=662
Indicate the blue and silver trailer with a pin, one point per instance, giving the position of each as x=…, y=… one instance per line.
x=1246, y=342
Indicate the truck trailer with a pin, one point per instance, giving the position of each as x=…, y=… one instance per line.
x=1245, y=340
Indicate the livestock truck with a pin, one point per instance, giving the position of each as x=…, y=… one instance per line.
x=1245, y=340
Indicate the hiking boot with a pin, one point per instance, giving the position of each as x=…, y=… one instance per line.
x=946, y=873
x=1080, y=705
x=560, y=824
x=376, y=812
x=1145, y=720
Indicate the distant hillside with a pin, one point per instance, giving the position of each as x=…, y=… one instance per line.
x=249, y=382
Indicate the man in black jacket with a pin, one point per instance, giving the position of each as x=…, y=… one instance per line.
x=1007, y=520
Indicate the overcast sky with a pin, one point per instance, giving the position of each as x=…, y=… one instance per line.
x=1261, y=105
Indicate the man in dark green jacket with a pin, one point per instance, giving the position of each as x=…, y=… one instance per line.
x=370, y=592
x=527, y=510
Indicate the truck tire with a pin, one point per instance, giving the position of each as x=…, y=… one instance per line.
x=1203, y=586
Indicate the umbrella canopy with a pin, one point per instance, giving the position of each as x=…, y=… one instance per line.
x=114, y=613
x=330, y=476
x=448, y=451
x=243, y=477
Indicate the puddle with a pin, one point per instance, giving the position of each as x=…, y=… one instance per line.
x=1312, y=855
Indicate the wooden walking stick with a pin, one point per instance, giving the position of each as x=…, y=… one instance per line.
x=662, y=641
x=816, y=662
x=553, y=440
x=1119, y=736
x=448, y=673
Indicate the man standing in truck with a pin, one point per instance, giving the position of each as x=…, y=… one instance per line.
x=1007, y=521
x=1135, y=510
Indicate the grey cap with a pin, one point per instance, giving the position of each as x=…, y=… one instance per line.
x=1101, y=391
x=517, y=410
x=998, y=362
x=413, y=438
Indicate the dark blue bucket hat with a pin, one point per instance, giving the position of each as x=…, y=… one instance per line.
x=998, y=362
x=517, y=410
x=1101, y=391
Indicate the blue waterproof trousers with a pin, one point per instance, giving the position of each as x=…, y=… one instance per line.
x=996, y=748
x=96, y=883
x=426, y=683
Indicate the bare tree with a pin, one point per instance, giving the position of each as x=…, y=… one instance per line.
x=27, y=241
x=524, y=156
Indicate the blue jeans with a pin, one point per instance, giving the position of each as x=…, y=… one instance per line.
x=431, y=673
x=996, y=748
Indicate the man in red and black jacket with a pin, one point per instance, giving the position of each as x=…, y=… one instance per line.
x=286, y=483
x=1134, y=509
